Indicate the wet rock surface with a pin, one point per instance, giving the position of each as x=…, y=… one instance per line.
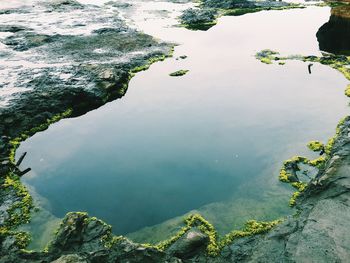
x=205, y=16
x=64, y=71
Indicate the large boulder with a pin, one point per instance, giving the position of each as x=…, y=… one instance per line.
x=79, y=233
x=190, y=244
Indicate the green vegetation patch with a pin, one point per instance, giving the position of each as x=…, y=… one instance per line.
x=347, y=91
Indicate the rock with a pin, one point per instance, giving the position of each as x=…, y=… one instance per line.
x=198, y=18
x=23, y=41
x=73, y=258
x=334, y=36
x=102, y=31
x=192, y=243
x=126, y=251
x=107, y=74
x=12, y=28
x=79, y=233
x=63, y=5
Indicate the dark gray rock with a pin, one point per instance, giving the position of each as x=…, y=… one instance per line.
x=198, y=18
x=192, y=243
x=79, y=233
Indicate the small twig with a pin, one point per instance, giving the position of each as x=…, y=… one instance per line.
x=21, y=173
x=309, y=68
x=20, y=160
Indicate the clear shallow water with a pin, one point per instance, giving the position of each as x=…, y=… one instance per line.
x=212, y=140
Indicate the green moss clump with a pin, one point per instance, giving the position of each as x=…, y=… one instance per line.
x=319, y=162
x=293, y=199
x=284, y=176
x=179, y=73
x=315, y=146
x=22, y=239
x=296, y=159
x=299, y=185
x=347, y=91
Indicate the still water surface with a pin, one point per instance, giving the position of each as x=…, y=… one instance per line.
x=211, y=141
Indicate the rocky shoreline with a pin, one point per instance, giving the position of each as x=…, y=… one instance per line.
x=316, y=233
x=71, y=75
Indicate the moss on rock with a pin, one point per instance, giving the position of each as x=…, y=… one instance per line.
x=179, y=73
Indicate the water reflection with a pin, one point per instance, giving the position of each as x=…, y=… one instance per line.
x=334, y=36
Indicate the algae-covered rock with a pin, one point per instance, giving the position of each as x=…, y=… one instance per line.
x=179, y=73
